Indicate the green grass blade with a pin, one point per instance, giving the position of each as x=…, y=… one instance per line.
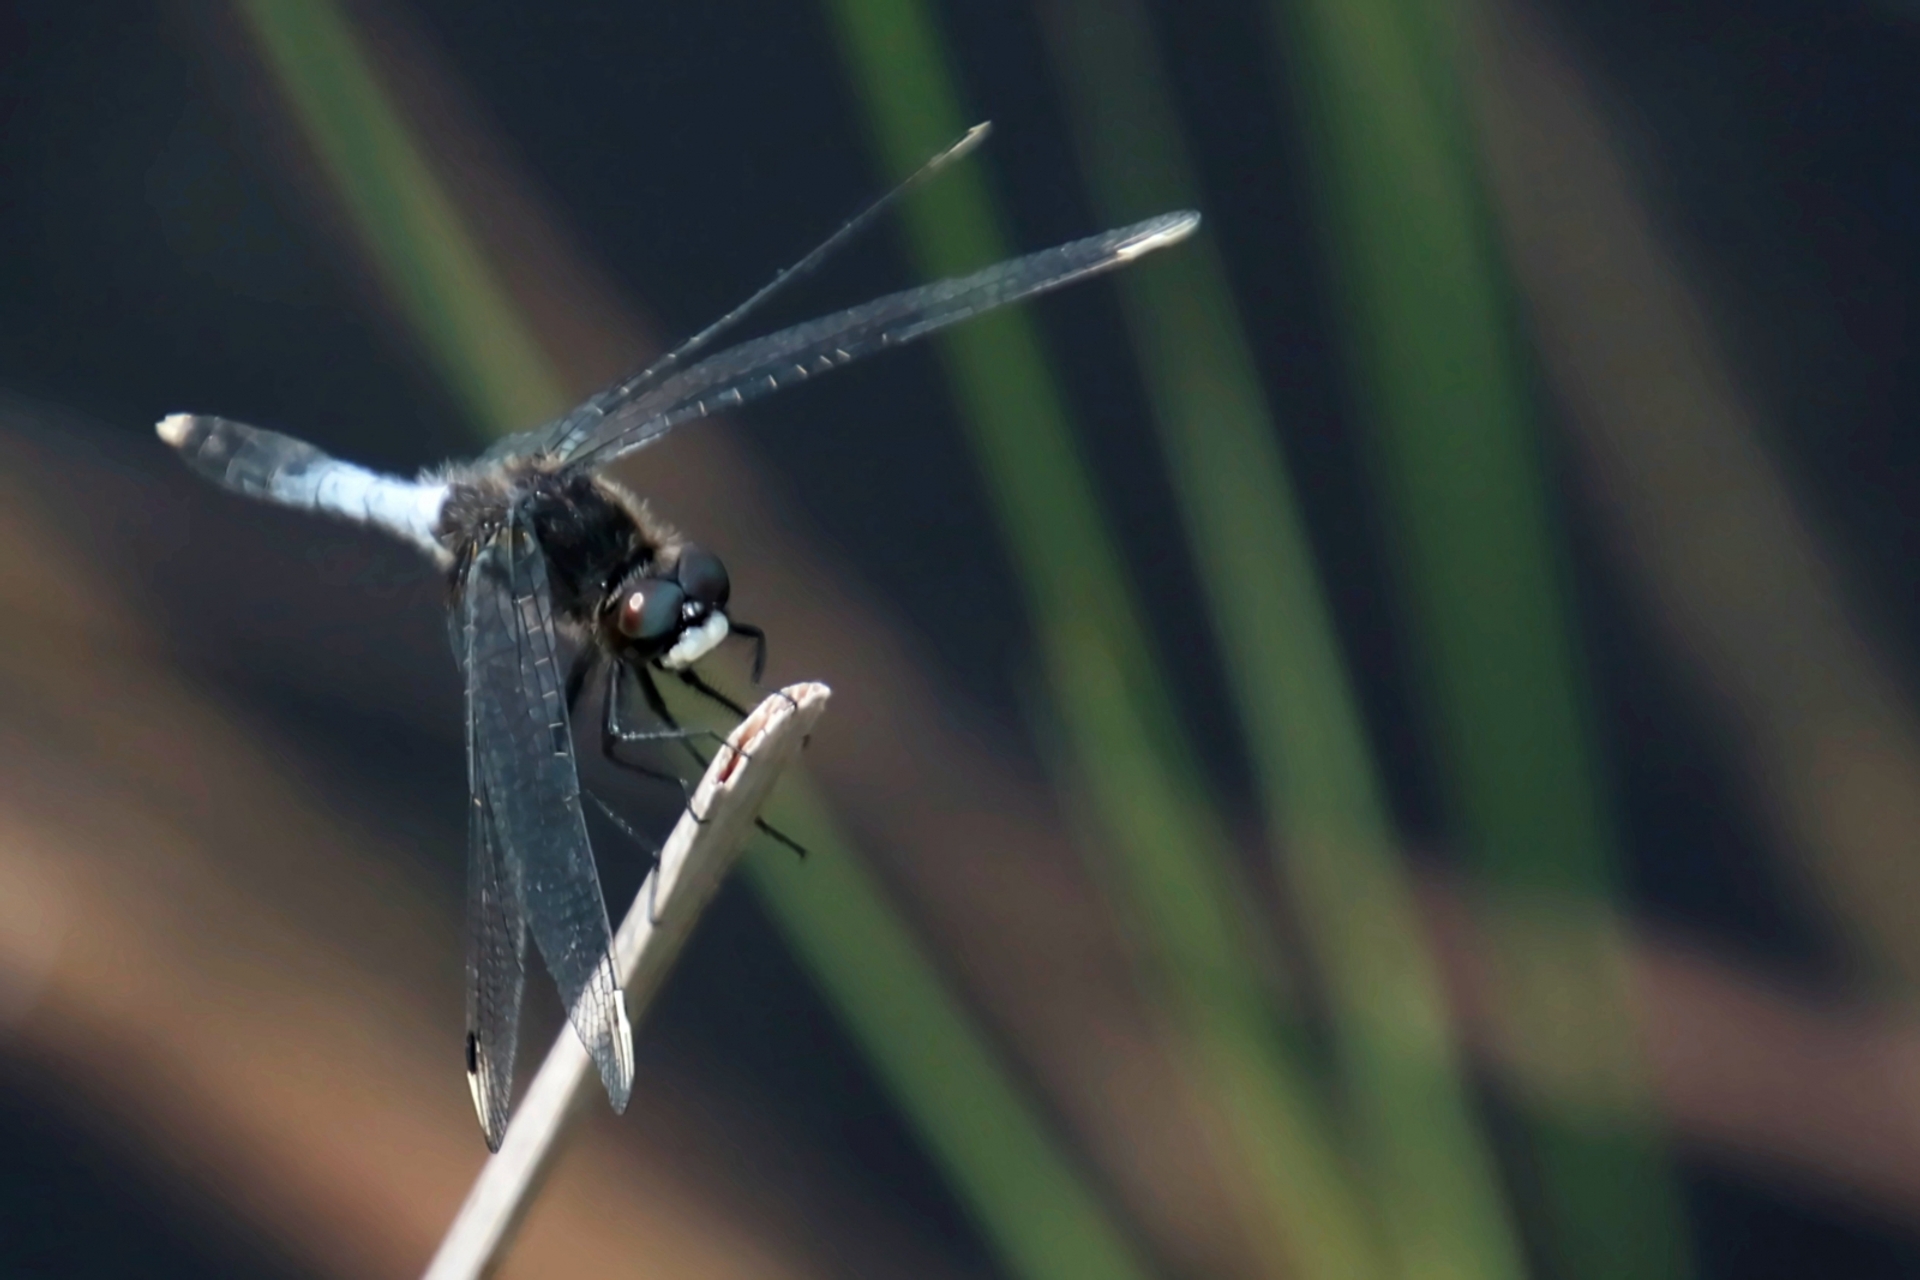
x=1434, y=1180
x=1168, y=851
x=1027, y=1197
x=416, y=237
x=1040, y=1218
x=1443, y=385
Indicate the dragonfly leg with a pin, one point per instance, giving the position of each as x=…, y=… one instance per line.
x=759, y=639
x=613, y=735
x=658, y=706
x=693, y=681
x=623, y=826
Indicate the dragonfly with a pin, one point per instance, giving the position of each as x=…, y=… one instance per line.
x=545, y=556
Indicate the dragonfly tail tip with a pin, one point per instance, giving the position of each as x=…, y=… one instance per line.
x=175, y=428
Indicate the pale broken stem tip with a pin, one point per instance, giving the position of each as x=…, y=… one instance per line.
x=1174, y=229
x=693, y=862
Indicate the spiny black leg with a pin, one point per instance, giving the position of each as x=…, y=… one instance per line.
x=653, y=850
x=625, y=828
x=693, y=681
x=613, y=736
x=658, y=705
x=781, y=836
x=759, y=639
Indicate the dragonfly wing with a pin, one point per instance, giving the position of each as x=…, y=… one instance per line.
x=623, y=422
x=563, y=436
x=529, y=443
x=524, y=746
x=496, y=915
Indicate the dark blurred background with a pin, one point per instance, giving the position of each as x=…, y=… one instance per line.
x=231, y=814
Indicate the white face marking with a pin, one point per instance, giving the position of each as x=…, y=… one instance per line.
x=696, y=643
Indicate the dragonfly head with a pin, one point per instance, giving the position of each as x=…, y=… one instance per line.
x=679, y=619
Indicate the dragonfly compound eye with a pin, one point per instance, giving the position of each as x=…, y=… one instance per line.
x=703, y=576
x=651, y=611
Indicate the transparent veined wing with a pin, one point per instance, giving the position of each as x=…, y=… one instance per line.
x=496, y=911
x=531, y=800
x=528, y=443
x=630, y=415
x=563, y=435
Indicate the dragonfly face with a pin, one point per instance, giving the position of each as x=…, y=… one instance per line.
x=621, y=580
x=675, y=615
x=540, y=546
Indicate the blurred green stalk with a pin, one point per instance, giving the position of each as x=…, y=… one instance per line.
x=1172, y=859
x=416, y=237
x=1040, y=1218
x=1434, y=1180
x=1444, y=388
x=1024, y=1193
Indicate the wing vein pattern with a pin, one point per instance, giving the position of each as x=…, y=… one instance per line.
x=532, y=793
x=496, y=915
x=639, y=410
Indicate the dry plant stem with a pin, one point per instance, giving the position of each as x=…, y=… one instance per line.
x=696, y=859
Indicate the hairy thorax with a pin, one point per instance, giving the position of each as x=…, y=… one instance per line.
x=594, y=533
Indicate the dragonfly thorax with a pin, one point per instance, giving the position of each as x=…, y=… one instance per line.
x=593, y=534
